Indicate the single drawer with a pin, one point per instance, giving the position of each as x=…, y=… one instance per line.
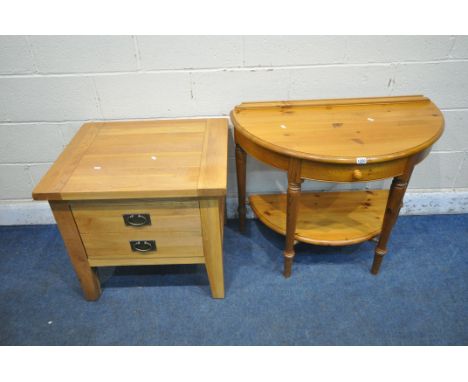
x=157, y=216
x=142, y=245
x=335, y=172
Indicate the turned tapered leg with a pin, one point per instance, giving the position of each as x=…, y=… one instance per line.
x=292, y=206
x=394, y=203
x=86, y=275
x=241, y=162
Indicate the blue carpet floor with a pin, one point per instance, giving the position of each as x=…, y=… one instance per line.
x=419, y=298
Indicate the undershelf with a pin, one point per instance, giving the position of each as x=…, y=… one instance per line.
x=326, y=218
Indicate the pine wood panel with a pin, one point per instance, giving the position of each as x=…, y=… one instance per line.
x=340, y=131
x=326, y=218
x=166, y=216
x=328, y=102
x=140, y=159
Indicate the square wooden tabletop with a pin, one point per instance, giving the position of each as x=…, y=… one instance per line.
x=140, y=159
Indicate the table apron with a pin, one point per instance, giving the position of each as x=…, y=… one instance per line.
x=269, y=157
x=332, y=172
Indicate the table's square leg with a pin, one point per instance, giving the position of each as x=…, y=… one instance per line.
x=86, y=274
x=213, y=244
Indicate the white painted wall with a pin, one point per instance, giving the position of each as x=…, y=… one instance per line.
x=49, y=86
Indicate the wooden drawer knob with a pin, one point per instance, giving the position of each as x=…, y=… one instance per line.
x=357, y=174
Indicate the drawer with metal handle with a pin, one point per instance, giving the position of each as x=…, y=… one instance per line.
x=143, y=245
x=136, y=220
x=157, y=216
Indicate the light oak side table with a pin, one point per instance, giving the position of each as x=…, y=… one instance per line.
x=335, y=140
x=141, y=193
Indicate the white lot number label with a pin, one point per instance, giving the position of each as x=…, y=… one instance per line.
x=361, y=160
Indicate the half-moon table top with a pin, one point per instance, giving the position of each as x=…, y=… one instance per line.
x=378, y=129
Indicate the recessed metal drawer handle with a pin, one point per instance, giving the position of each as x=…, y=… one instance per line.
x=137, y=220
x=143, y=245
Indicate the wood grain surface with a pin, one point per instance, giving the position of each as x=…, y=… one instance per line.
x=140, y=159
x=342, y=130
x=166, y=216
x=326, y=218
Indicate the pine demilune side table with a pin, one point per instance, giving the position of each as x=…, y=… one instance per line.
x=141, y=193
x=336, y=140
